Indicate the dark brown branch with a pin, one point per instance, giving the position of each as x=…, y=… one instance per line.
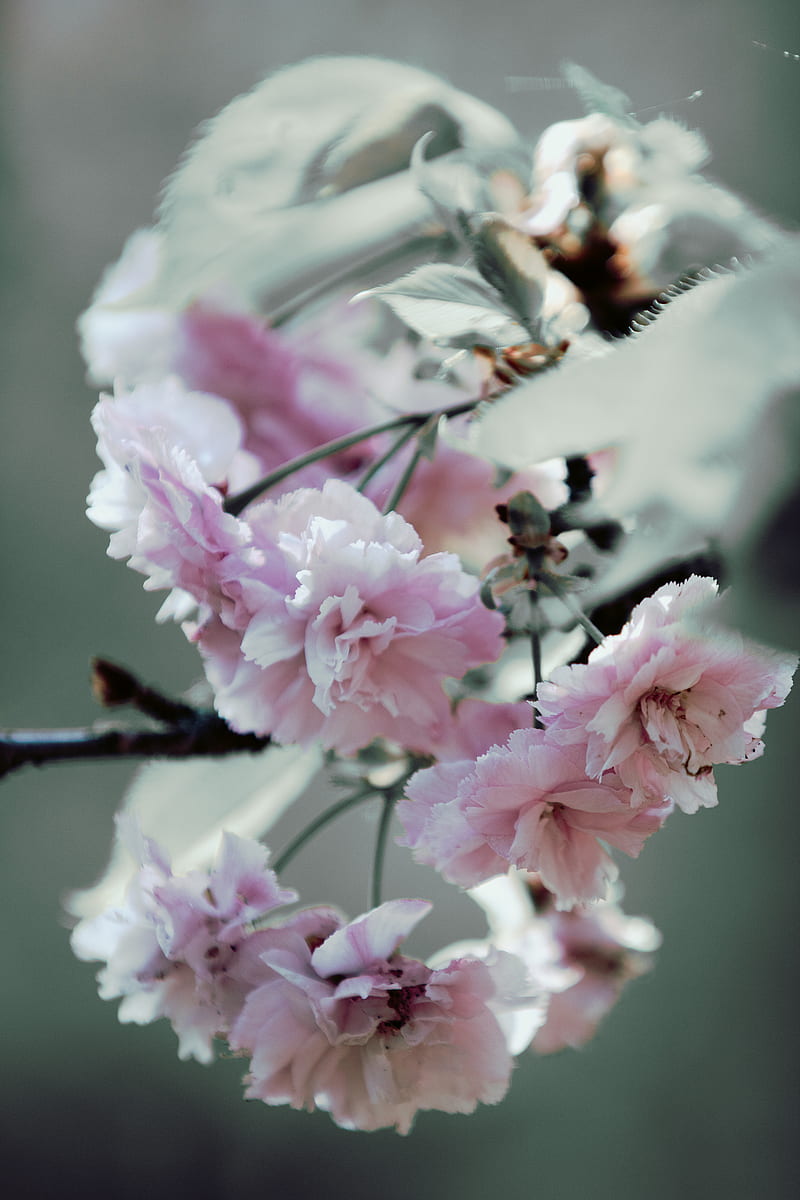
x=114, y=685
x=190, y=732
x=206, y=734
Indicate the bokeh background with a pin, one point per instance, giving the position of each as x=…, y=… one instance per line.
x=690, y=1088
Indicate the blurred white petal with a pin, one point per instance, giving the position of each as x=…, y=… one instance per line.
x=186, y=805
x=681, y=399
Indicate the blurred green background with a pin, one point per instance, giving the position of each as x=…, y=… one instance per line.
x=690, y=1088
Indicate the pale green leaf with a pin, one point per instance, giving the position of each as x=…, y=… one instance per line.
x=451, y=304
x=186, y=805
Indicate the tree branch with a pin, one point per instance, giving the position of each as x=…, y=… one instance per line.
x=190, y=732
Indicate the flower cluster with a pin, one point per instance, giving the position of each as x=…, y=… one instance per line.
x=584, y=956
x=330, y=1013
x=343, y=631
x=626, y=202
x=299, y=476
x=667, y=698
x=530, y=805
x=627, y=736
x=183, y=947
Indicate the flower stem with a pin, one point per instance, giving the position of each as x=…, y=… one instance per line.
x=305, y=835
x=597, y=636
x=399, y=489
x=381, y=462
x=235, y=504
x=536, y=656
x=376, y=883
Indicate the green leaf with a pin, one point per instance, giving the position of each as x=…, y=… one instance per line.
x=487, y=599
x=462, y=185
x=451, y=304
x=596, y=96
x=527, y=516
x=452, y=184
x=509, y=261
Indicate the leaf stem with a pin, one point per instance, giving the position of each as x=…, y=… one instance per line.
x=305, y=835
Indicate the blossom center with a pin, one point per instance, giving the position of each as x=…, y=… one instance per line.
x=401, y=1003
x=340, y=645
x=668, y=728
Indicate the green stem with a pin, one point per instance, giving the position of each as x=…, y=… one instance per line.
x=235, y=504
x=381, y=462
x=376, y=884
x=536, y=656
x=398, y=491
x=305, y=835
x=588, y=626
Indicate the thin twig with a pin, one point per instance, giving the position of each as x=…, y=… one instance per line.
x=597, y=636
x=206, y=734
x=191, y=732
x=114, y=685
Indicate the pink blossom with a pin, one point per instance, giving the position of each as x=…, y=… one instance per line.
x=180, y=947
x=451, y=500
x=667, y=698
x=528, y=804
x=607, y=949
x=515, y=929
x=169, y=454
x=296, y=388
x=348, y=1025
x=293, y=389
x=582, y=957
x=478, y=725
x=351, y=632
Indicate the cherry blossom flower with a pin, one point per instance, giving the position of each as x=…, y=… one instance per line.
x=300, y=386
x=348, y=1025
x=583, y=957
x=351, y=632
x=662, y=218
x=181, y=947
x=667, y=698
x=515, y=928
x=293, y=389
x=480, y=724
x=528, y=804
x=451, y=500
x=606, y=949
x=169, y=454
